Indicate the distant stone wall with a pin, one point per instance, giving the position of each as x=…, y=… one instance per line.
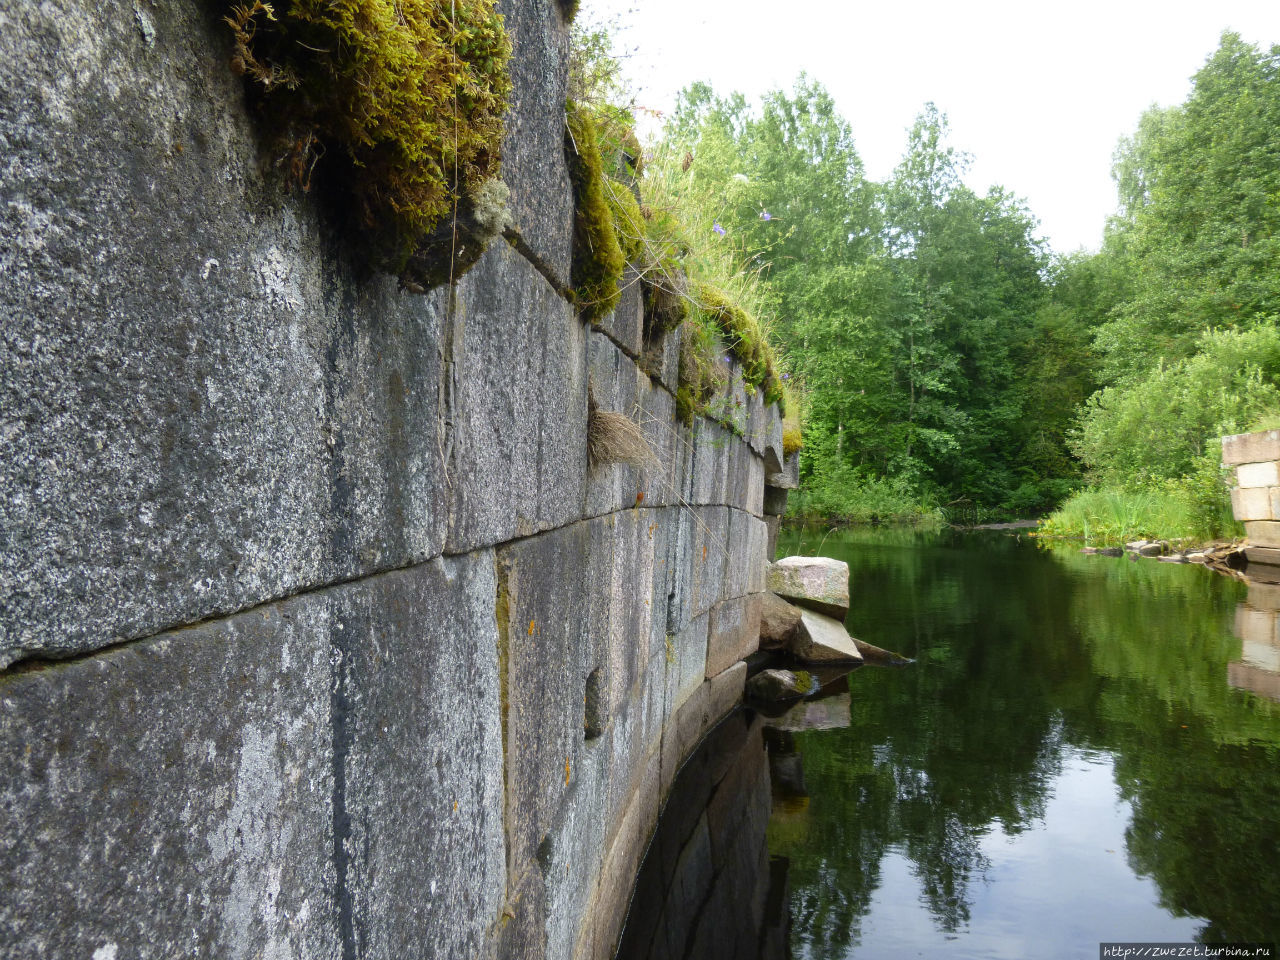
x=1255, y=498
x=318, y=635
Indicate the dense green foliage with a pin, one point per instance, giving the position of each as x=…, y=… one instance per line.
x=906, y=307
x=408, y=95
x=1183, y=300
x=947, y=362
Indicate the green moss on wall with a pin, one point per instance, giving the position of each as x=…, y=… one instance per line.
x=628, y=224
x=597, y=258
x=403, y=99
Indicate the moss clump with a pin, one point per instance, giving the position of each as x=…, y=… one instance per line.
x=628, y=224
x=792, y=440
x=597, y=258
x=741, y=331
x=409, y=95
x=686, y=404
x=804, y=682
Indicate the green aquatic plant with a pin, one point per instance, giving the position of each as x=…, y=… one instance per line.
x=402, y=99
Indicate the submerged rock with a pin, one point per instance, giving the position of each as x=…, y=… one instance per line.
x=769, y=686
x=819, y=583
x=880, y=656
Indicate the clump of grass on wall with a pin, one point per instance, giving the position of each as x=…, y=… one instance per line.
x=409, y=93
x=616, y=438
x=597, y=265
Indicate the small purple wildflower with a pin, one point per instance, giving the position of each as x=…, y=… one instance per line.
x=786, y=376
x=718, y=229
x=766, y=215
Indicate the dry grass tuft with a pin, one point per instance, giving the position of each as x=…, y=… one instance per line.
x=616, y=438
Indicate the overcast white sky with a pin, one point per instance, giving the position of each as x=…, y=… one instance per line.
x=1039, y=93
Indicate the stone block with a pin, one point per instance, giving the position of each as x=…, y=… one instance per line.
x=769, y=441
x=547, y=586
x=662, y=480
x=1256, y=447
x=195, y=421
x=1254, y=503
x=624, y=325
x=709, y=476
x=515, y=357
x=819, y=583
x=726, y=691
x=630, y=599
x=745, y=567
x=733, y=633
x=710, y=558
x=418, y=726
x=533, y=161
x=774, y=526
x=788, y=478
x=1263, y=533
x=615, y=385
x=823, y=639
x=176, y=796
x=686, y=664
x=1258, y=474
x=662, y=360
x=1264, y=556
x=775, y=501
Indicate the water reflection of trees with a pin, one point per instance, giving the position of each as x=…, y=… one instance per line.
x=1020, y=653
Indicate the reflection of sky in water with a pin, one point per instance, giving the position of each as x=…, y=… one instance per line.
x=1050, y=891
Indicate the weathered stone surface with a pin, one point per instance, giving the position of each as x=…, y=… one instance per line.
x=533, y=163
x=615, y=385
x=725, y=691
x=660, y=481
x=422, y=810
x=175, y=796
x=788, y=478
x=194, y=420
x=1251, y=447
x=624, y=325
x=545, y=583
x=712, y=556
x=733, y=633
x=823, y=639
x=775, y=501
x=1254, y=503
x=774, y=525
x=818, y=583
x=1263, y=533
x=1258, y=474
x=662, y=360
x=769, y=686
x=515, y=357
x=745, y=567
x=709, y=477
x=779, y=622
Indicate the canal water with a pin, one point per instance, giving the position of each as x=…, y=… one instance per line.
x=1085, y=749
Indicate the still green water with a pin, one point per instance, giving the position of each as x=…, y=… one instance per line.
x=1066, y=762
